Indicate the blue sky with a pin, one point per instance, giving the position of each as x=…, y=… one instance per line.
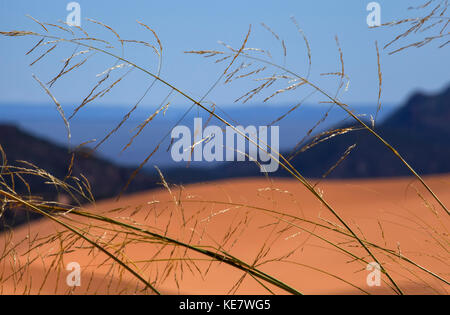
x=199, y=24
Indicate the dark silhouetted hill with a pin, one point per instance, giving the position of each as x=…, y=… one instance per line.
x=419, y=130
x=105, y=178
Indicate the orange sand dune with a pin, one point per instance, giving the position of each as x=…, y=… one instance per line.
x=257, y=221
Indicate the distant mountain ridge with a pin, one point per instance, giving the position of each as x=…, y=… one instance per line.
x=423, y=111
x=419, y=131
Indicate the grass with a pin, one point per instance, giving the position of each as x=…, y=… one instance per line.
x=177, y=249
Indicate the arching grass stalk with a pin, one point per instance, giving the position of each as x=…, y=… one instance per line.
x=224, y=257
x=355, y=117
x=288, y=167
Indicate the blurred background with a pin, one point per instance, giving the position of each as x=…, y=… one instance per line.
x=185, y=26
